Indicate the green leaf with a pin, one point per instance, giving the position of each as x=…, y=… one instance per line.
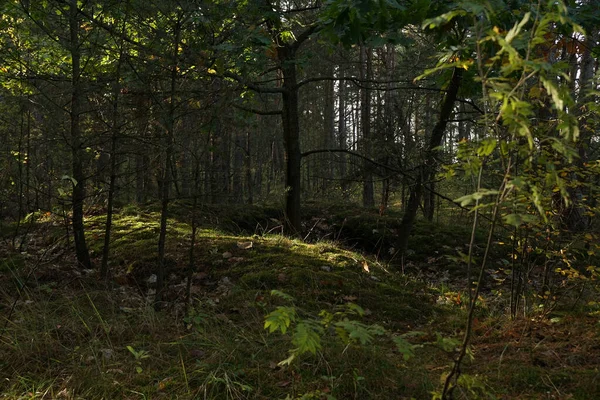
x=443, y=19
x=470, y=198
x=355, y=309
x=307, y=337
x=519, y=219
x=404, y=347
x=69, y=178
x=447, y=344
x=486, y=147
x=359, y=332
x=132, y=351
x=280, y=319
x=288, y=360
x=554, y=93
x=280, y=294
x=517, y=28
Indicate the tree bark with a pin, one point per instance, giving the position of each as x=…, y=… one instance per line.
x=365, y=123
x=342, y=131
x=167, y=175
x=78, y=197
x=239, y=150
x=291, y=138
x=115, y=133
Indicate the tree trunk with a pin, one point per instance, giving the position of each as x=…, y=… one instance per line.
x=239, y=149
x=329, y=128
x=576, y=218
x=167, y=175
x=77, y=154
x=248, y=168
x=113, y=170
x=142, y=161
x=342, y=131
x=366, y=73
x=291, y=139
x=426, y=170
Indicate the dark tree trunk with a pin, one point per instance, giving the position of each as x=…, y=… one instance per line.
x=77, y=154
x=220, y=169
x=429, y=201
x=239, y=150
x=167, y=175
x=342, y=131
x=329, y=127
x=113, y=171
x=365, y=122
x=291, y=139
x=426, y=170
x=248, y=167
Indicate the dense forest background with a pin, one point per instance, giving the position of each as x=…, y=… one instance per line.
x=474, y=118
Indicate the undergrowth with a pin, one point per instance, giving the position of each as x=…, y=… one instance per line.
x=67, y=334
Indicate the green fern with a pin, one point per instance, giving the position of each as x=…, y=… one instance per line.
x=307, y=337
x=280, y=319
x=354, y=331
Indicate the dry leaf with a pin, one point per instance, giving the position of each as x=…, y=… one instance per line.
x=227, y=255
x=244, y=245
x=365, y=266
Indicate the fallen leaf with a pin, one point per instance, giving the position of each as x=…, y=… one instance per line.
x=244, y=245
x=227, y=255
x=365, y=266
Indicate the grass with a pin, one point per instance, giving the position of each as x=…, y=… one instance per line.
x=71, y=336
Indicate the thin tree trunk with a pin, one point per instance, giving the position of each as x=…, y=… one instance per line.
x=366, y=73
x=192, y=260
x=342, y=131
x=248, y=167
x=329, y=127
x=167, y=175
x=78, y=196
x=239, y=150
x=113, y=170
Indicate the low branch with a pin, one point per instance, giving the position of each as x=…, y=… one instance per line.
x=252, y=86
x=359, y=82
x=255, y=111
x=301, y=38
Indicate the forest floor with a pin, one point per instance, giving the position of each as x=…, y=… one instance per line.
x=66, y=334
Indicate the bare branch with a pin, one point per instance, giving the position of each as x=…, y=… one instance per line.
x=252, y=86
x=255, y=111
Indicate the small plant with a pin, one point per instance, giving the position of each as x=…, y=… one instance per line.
x=308, y=332
x=139, y=355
